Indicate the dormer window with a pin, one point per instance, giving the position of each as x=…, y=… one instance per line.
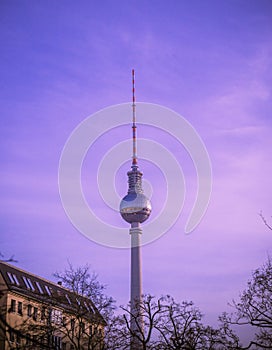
x=13, y=278
x=68, y=299
x=26, y=283
x=30, y=284
x=48, y=291
x=39, y=287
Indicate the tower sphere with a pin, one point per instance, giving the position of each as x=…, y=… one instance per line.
x=135, y=207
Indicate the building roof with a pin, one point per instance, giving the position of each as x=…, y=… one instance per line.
x=47, y=292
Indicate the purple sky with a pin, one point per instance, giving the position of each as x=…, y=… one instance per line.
x=210, y=62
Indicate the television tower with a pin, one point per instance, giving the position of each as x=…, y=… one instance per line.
x=135, y=208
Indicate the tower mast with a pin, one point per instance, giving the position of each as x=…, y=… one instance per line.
x=135, y=208
x=134, y=127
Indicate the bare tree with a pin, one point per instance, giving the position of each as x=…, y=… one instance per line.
x=181, y=327
x=255, y=307
x=265, y=221
x=82, y=281
x=148, y=312
x=170, y=325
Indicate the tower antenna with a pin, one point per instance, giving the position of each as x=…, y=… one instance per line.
x=134, y=151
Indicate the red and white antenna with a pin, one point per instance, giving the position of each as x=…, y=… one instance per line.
x=134, y=150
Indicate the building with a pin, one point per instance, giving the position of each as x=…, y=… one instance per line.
x=38, y=314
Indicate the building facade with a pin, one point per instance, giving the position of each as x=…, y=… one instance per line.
x=38, y=314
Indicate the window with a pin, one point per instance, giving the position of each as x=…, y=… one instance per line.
x=48, y=291
x=34, y=339
x=10, y=277
x=35, y=313
x=26, y=283
x=91, y=307
x=56, y=316
x=13, y=305
x=28, y=339
x=12, y=336
x=18, y=338
x=30, y=284
x=72, y=325
x=56, y=342
x=29, y=310
x=82, y=327
x=87, y=306
x=20, y=308
x=49, y=315
x=43, y=313
x=68, y=299
x=39, y=287
x=44, y=340
x=13, y=278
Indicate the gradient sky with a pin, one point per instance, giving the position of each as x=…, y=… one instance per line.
x=210, y=61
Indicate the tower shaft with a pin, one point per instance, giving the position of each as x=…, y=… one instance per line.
x=136, y=320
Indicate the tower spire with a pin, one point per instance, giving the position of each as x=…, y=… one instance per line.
x=134, y=127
